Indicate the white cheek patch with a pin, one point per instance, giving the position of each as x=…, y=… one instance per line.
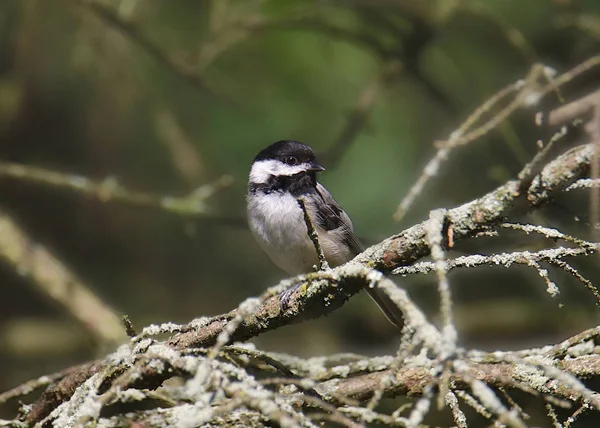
x=262, y=170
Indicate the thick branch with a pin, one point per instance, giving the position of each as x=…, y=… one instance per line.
x=412, y=380
x=473, y=217
x=328, y=291
x=403, y=249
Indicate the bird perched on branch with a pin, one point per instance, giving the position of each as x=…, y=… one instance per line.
x=281, y=175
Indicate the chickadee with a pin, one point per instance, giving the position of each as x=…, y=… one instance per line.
x=280, y=175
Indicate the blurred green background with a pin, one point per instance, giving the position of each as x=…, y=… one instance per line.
x=164, y=96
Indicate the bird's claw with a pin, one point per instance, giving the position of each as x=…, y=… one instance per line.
x=284, y=298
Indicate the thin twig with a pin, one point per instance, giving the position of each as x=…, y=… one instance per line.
x=586, y=282
x=501, y=259
x=314, y=236
x=435, y=228
x=527, y=92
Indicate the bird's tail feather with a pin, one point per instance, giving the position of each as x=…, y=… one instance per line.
x=389, y=308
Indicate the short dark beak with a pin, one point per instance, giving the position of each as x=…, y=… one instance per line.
x=316, y=167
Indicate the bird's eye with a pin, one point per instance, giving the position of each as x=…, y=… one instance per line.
x=291, y=160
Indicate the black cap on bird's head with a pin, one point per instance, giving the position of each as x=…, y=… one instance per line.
x=290, y=152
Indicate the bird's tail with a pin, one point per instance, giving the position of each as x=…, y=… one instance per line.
x=389, y=308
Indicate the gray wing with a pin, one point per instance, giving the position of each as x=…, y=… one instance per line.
x=330, y=216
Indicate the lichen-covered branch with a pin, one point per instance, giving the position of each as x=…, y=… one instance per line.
x=225, y=383
x=123, y=378
x=323, y=292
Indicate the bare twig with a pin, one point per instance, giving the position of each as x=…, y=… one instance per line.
x=527, y=92
x=586, y=282
x=462, y=136
x=435, y=240
x=314, y=237
x=585, y=106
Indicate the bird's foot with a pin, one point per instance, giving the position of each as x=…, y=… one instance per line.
x=284, y=298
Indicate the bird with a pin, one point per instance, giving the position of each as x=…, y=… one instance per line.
x=280, y=175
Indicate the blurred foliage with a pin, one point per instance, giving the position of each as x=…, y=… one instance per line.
x=164, y=96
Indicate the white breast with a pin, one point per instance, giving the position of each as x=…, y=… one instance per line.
x=277, y=223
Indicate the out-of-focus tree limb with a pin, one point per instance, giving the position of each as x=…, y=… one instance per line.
x=192, y=205
x=53, y=279
x=137, y=36
x=359, y=116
